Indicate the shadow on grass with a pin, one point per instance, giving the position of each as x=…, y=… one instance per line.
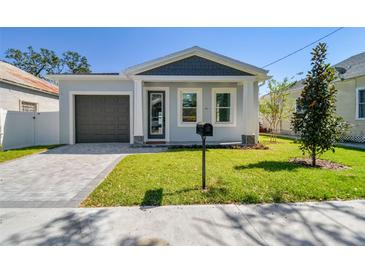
x=270, y=166
x=153, y=197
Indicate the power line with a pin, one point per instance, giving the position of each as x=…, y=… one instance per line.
x=294, y=52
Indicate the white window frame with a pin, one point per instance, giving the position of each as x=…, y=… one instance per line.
x=233, y=112
x=199, y=106
x=358, y=103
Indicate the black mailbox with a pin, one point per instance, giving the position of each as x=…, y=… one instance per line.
x=204, y=129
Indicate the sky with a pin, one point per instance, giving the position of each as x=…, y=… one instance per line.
x=114, y=49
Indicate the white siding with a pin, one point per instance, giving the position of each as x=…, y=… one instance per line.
x=10, y=97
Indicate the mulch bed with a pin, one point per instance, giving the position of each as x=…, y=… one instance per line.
x=258, y=146
x=319, y=164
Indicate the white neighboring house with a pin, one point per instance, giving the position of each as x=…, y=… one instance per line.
x=28, y=109
x=160, y=101
x=350, y=103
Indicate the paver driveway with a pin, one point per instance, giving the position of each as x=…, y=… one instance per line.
x=61, y=177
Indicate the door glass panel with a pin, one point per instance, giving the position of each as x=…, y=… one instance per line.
x=156, y=114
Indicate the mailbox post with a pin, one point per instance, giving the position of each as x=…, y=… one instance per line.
x=204, y=130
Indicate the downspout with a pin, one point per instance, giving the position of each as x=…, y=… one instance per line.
x=3, y=113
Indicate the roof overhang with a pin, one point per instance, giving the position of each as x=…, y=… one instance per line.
x=187, y=78
x=58, y=77
x=131, y=73
x=260, y=73
x=28, y=87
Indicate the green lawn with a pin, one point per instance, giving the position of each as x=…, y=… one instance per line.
x=233, y=176
x=20, y=152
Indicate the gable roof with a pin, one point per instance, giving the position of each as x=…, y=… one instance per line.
x=201, y=53
x=194, y=66
x=354, y=66
x=15, y=76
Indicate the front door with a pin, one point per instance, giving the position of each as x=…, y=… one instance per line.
x=156, y=114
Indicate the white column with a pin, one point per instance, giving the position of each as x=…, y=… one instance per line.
x=138, y=114
x=250, y=109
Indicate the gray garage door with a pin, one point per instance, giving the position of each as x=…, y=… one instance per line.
x=102, y=118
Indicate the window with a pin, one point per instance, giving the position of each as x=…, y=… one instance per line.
x=223, y=108
x=28, y=106
x=298, y=108
x=361, y=103
x=189, y=106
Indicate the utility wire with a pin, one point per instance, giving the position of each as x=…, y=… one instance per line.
x=294, y=52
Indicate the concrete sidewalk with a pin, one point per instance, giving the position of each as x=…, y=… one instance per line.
x=327, y=223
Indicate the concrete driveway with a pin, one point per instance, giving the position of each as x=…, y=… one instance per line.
x=326, y=223
x=61, y=177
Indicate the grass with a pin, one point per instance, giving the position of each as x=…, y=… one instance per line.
x=233, y=176
x=20, y=152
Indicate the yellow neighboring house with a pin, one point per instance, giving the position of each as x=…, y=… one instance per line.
x=350, y=97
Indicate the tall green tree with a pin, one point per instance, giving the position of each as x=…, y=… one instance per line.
x=46, y=61
x=274, y=106
x=75, y=63
x=315, y=120
x=36, y=63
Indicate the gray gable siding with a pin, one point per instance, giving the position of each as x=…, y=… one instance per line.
x=195, y=65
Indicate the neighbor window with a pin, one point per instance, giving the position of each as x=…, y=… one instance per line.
x=223, y=105
x=361, y=103
x=28, y=106
x=298, y=107
x=189, y=106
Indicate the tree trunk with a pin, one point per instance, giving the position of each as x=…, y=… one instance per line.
x=313, y=158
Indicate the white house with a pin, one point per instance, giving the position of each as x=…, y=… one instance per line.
x=350, y=104
x=22, y=91
x=28, y=109
x=162, y=100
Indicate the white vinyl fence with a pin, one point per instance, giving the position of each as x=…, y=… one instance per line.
x=23, y=129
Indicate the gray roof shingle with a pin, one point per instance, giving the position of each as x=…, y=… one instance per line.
x=354, y=66
x=194, y=65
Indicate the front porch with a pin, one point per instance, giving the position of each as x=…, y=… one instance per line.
x=175, y=129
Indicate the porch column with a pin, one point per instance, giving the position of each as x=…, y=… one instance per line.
x=138, y=122
x=250, y=112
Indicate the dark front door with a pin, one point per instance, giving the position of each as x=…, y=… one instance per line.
x=156, y=114
x=102, y=118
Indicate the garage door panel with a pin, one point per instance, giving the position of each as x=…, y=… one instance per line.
x=102, y=118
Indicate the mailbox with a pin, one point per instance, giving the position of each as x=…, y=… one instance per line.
x=204, y=129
